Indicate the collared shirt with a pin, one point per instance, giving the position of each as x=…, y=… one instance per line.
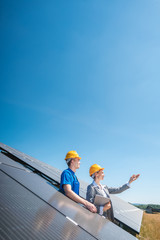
x=101, y=187
x=69, y=177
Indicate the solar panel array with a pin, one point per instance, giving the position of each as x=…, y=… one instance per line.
x=40, y=210
x=25, y=216
x=123, y=211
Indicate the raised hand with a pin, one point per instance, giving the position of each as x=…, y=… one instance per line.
x=133, y=178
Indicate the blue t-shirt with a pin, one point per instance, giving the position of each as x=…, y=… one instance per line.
x=69, y=177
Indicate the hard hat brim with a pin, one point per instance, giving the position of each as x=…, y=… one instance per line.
x=73, y=158
x=100, y=169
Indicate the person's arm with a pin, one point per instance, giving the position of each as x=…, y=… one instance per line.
x=69, y=193
x=119, y=189
x=123, y=187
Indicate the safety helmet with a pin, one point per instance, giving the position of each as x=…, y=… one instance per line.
x=95, y=168
x=72, y=154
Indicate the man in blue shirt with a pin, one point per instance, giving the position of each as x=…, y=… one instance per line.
x=69, y=183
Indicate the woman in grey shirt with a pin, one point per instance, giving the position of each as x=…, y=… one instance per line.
x=95, y=188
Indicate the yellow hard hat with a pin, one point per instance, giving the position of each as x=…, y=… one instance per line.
x=72, y=154
x=95, y=168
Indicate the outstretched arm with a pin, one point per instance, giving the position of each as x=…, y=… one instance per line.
x=119, y=189
x=125, y=186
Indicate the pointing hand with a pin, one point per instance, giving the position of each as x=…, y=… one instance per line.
x=133, y=178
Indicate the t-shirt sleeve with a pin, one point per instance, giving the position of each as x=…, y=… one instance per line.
x=66, y=179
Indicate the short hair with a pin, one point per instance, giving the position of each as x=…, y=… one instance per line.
x=68, y=161
x=93, y=176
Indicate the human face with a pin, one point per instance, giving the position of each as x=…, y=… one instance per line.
x=76, y=163
x=100, y=174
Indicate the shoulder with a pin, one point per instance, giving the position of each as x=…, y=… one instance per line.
x=90, y=191
x=91, y=186
x=66, y=173
x=66, y=177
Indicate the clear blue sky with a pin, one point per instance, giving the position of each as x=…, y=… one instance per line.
x=85, y=76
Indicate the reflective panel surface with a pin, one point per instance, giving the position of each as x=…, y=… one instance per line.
x=25, y=216
x=127, y=213
x=7, y=161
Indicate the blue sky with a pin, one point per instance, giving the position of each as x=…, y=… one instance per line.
x=85, y=76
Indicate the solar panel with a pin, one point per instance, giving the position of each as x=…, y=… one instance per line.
x=7, y=161
x=127, y=213
x=93, y=224
x=25, y=216
x=125, y=217
x=40, y=166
